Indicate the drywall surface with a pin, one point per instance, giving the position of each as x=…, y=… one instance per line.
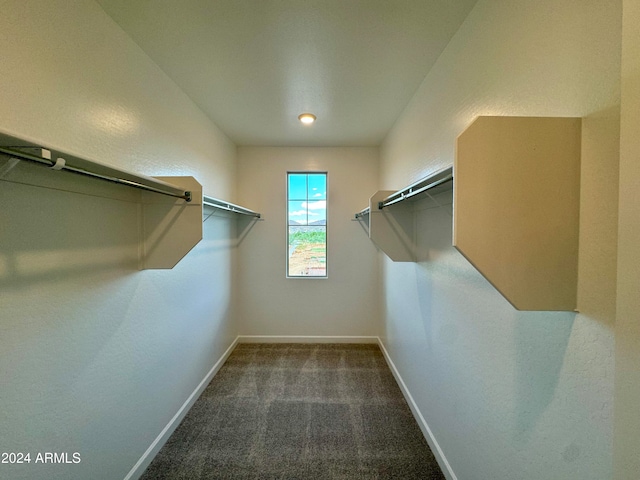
x=73, y=79
x=344, y=304
x=627, y=393
x=511, y=394
x=96, y=356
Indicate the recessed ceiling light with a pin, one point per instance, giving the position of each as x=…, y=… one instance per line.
x=307, y=118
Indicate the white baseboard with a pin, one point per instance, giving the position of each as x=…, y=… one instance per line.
x=141, y=465
x=144, y=461
x=422, y=423
x=304, y=339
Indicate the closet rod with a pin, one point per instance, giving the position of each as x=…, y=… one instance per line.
x=221, y=204
x=150, y=184
x=362, y=213
x=421, y=186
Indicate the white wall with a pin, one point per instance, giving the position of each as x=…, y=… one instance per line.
x=627, y=394
x=508, y=394
x=95, y=356
x=345, y=303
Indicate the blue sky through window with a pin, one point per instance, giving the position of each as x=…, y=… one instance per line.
x=307, y=199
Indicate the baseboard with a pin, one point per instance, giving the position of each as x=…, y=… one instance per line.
x=166, y=432
x=422, y=423
x=304, y=339
x=141, y=465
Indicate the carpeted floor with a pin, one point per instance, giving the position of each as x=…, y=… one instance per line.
x=299, y=411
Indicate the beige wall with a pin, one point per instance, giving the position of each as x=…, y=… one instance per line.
x=96, y=357
x=510, y=394
x=344, y=304
x=79, y=83
x=627, y=393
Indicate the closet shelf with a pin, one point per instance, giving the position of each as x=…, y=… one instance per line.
x=421, y=186
x=362, y=213
x=19, y=149
x=517, y=204
x=429, y=183
x=228, y=206
x=171, y=207
x=390, y=223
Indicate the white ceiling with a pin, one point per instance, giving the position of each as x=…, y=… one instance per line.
x=254, y=65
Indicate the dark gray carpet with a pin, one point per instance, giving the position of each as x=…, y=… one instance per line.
x=299, y=411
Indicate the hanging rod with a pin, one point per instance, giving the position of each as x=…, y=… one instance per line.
x=362, y=213
x=223, y=205
x=423, y=185
x=23, y=150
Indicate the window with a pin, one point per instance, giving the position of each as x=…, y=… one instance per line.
x=307, y=224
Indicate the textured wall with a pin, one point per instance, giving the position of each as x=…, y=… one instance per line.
x=345, y=302
x=510, y=394
x=73, y=79
x=95, y=356
x=627, y=406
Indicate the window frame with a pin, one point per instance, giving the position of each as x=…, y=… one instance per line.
x=326, y=225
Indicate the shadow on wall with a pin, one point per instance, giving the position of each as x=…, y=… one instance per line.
x=434, y=220
x=524, y=363
x=48, y=236
x=240, y=226
x=244, y=226
x=61, y=256
x=87, y=340
x=541, y=342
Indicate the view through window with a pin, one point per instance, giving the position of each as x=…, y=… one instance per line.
x=307, y=224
